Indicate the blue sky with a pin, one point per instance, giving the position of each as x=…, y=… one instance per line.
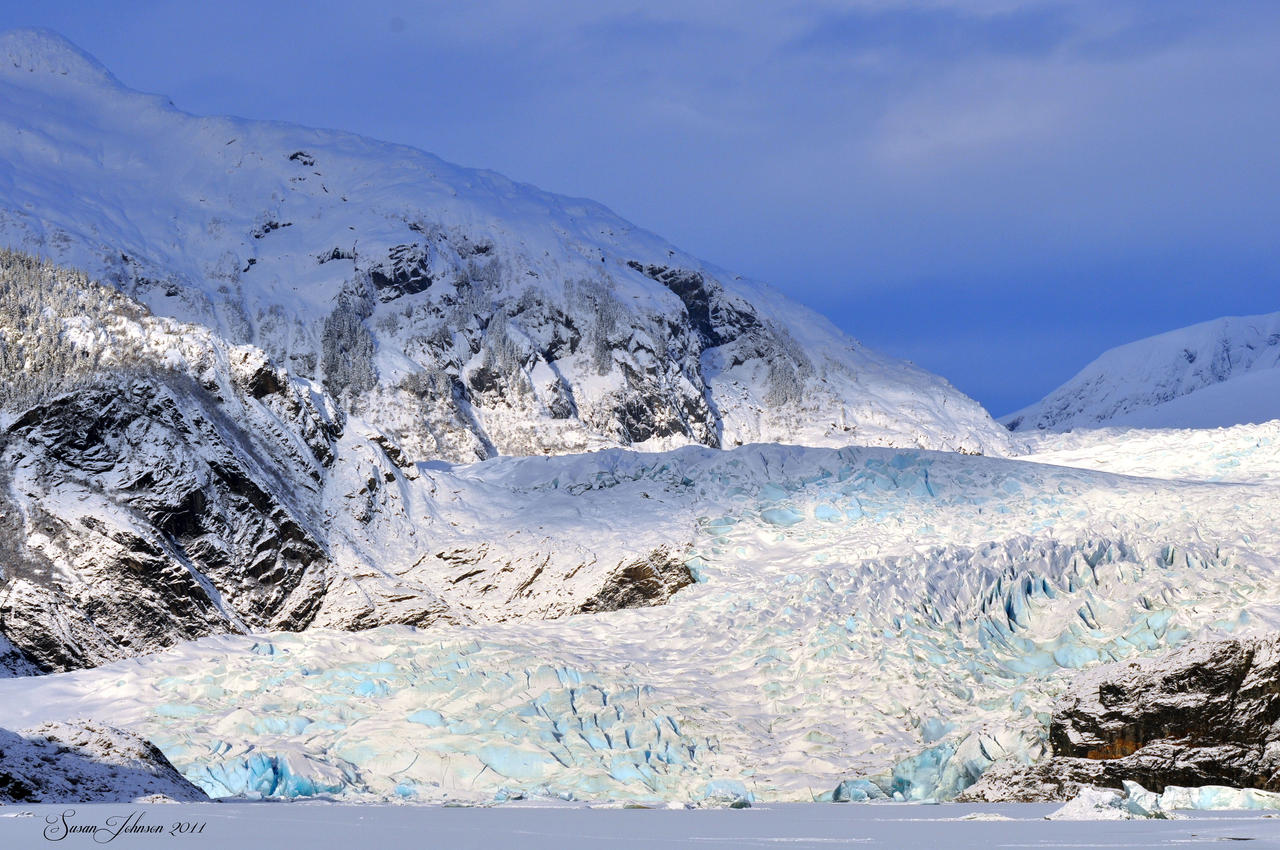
x=996, y=189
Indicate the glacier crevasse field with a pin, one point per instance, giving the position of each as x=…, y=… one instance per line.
x=901, y=617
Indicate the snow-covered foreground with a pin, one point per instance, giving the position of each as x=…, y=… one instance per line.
x=906, y=616
x=564, y=828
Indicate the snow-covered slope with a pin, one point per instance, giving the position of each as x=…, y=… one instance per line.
x=462, y=314
x=86, y=763
x=1215, y=374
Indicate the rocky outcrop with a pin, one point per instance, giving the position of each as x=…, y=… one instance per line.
x=1051, y=780
x=1205, y=714
x=650, y=580
x=142, y=514
x=87, y=763
x=156, y=483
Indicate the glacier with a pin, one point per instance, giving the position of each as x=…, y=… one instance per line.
x=908, y=625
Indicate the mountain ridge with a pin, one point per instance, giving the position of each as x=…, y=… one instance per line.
x=1211, y=374
x=158, y=484
x=465, y=314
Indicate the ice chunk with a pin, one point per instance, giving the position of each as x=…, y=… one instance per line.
x=1214, y=797
x=728, y=792
x=781, y=516
x=828, y=513
x=1093, y=804
x=855, y=791
x=934, y=729
x=966, y=764
x=917, y=778
x=1107, y=804
x=427, y=717
x=1139, y=800
x=772, y=493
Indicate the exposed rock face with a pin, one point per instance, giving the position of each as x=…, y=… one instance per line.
x=86, y=763
x=1206, y=714
x=156, y=483
x=1051, y=780
x=13, y=662
x=149, y=517
x=651, y=580
x=714, y=316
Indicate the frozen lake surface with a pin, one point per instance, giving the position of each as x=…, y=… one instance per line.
x=530, y=827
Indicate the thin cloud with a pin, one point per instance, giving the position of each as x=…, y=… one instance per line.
x=940, y=34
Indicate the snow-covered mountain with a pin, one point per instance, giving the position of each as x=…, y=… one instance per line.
x=158, y=484
x=1211, y=375
x=461, y=314
x=229, y=441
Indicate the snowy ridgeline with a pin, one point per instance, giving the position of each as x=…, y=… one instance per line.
x=1211, y=375
x=888, y=619
x=460, y=313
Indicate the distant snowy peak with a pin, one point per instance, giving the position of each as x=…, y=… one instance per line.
x=464, y=314
x=41, y=51
x=1215, y=374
